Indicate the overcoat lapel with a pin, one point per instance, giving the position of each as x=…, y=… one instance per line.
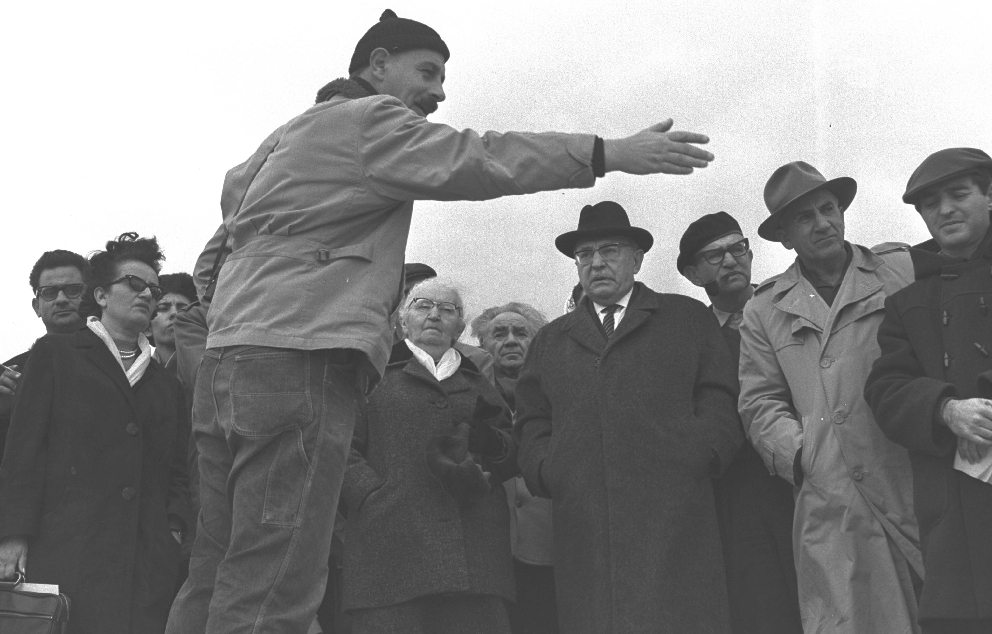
x=582, y=326
x=642, y=304
x=98, y=354
x=800, y=300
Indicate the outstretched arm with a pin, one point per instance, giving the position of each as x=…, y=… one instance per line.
x=657, y=150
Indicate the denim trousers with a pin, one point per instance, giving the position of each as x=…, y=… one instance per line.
x=273, y=428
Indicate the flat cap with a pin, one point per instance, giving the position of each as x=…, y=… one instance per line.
x=942, y=165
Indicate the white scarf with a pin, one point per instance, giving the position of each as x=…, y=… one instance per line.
x=447, y=366
x=140, y=364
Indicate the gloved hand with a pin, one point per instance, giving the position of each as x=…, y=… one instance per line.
x=450, y=463
x=482, y=438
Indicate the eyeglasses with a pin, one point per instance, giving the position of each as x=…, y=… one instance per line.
x=137, y=285
x=609, y=252
x=51, y=293
x=738, y=249
x=427, y=305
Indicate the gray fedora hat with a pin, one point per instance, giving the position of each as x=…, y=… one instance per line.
x=796, y=179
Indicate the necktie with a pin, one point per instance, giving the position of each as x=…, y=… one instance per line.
x=608, y=323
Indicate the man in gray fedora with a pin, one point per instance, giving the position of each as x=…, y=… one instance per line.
x=807, y=346
x=625, y=411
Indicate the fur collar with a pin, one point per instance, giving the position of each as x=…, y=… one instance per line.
x=354, y=88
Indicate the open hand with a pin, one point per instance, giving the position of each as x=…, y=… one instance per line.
x=657, y=150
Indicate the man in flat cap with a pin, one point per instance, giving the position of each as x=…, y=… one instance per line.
x=931, y=386
x=754, y=509
x=316, y=221
x=625, y=411
x=807, y=345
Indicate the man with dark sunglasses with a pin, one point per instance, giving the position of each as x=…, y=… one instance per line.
x=754, y=508
x=57, y=283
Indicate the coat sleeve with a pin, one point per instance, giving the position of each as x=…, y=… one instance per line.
x=903, y=399
x=177, y=499
x=766, y=400
x=532, y=428
x=715, y=392
x=360, y=479
x=406, y=157
x=25, y=459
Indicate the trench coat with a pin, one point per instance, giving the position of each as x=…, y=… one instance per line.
x=92, y=472
x=624, y=435
x=935, y=341
x=802, y=370
x=406, y=537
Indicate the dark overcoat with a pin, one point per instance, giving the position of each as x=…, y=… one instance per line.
x=92, y=470
x=624, y=437
x=936, y=339
x=406, y=537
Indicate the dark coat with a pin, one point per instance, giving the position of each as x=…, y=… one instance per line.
x=92, y=471
x=20, y=361
x=624, y=437
x=936, y=339
x=406, y=537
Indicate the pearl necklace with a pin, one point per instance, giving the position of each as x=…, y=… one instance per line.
x=127, y=355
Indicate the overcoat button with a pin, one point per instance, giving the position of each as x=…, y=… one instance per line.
x=826, y=362
x=128, y=493
x=857, y=475
x=838, y=418
x=132, y=429
x=520, y=504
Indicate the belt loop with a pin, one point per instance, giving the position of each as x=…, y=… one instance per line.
x=323, y=255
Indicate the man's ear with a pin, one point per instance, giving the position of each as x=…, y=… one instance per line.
x=377, y=63
x=638, y=258
x=692, y=275
x=36, y=306
x=780, y=235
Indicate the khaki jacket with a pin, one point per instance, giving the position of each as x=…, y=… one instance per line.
x=803, y=368
x=319, y=216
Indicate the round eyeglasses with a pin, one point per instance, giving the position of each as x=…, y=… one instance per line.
x=715, y=256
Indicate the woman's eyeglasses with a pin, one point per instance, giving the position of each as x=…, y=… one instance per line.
x=137, y=285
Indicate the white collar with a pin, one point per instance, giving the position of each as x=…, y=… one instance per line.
x=623, y=302
x=137, y=369
x=448, y=365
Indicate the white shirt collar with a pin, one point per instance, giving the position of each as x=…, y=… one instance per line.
x=448, y=365
x=137, y=369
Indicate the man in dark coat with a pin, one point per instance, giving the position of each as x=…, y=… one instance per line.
x=930, y=387
x=57, y=283
x=754, y=508
x=625, y=411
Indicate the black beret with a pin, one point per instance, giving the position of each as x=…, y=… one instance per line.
x=396, y=34
x=703, y=231
x=943, y=165
x=415, y=272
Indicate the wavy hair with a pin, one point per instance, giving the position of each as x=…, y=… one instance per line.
x=102, y=267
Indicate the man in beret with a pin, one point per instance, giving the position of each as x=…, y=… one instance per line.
x=807, y=345
x=316, y=221
x=931, y=386
x=625, y=411
x=754, y=509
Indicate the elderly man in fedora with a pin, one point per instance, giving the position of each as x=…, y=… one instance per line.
x=316, y=222
x=625, y=411
x=807, y=345
x=931, y=387
x=754, y=509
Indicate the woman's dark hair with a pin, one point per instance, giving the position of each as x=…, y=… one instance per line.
x=103, y=265
x=181, y=283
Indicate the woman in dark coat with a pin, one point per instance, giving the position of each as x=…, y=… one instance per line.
x=427, y=547
x=93, y=479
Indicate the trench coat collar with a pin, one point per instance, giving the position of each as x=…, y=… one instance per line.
x=796, y=296
x=584, y=327
x=96, y=352
x=402, y=357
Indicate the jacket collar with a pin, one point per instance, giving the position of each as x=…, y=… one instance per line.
x=793, y=297
x=96, y=352
x=348, y=88
x=401, y=357
x=583, y=326
x=927, y=263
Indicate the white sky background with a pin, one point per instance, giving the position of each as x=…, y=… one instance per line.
x=124, y=116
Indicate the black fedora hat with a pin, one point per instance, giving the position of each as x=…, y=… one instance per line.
x=603, y=219
x=794, y=180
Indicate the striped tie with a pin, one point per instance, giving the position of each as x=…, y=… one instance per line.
x=608, y=324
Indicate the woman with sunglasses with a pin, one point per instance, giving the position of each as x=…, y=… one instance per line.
x=94, y=475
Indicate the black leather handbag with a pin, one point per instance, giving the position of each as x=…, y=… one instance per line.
x=23, y=611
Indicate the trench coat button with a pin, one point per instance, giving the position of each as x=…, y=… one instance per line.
x=838, y=418
x=857, y=474
x=826, y=362
x=520, y=504
x=441, y=403
x=128, y=493
x=132, y=429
